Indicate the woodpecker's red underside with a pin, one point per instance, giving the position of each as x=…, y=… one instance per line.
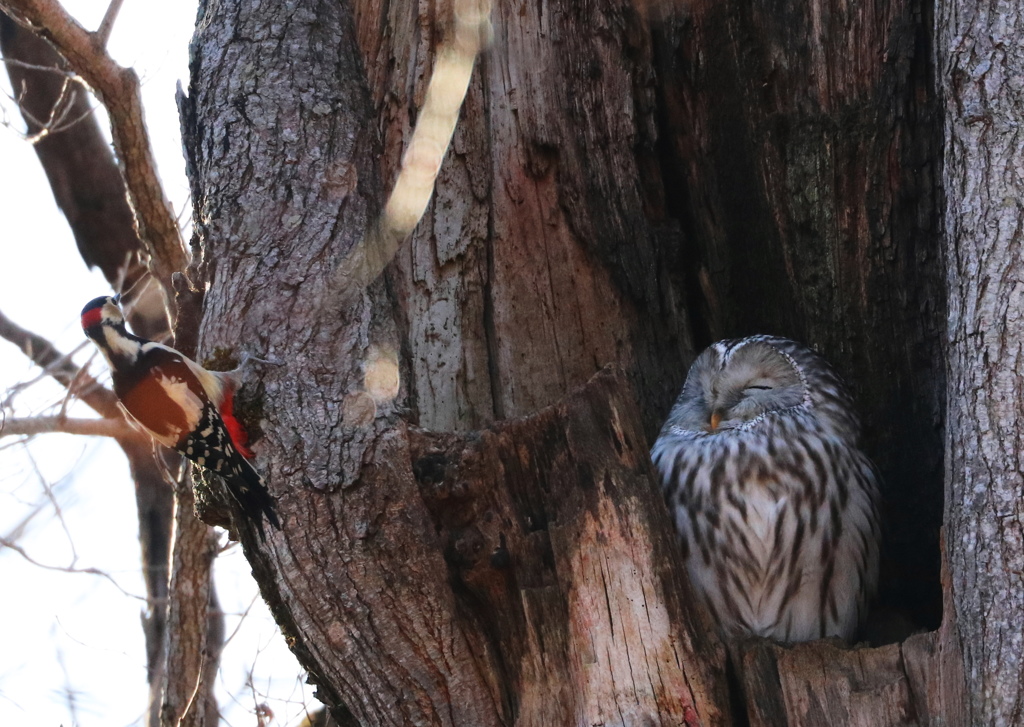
x=239, y=437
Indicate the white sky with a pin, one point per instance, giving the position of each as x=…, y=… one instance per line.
x=62, y=632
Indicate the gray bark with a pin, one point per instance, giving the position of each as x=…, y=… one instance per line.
x=981, y=66
x=396, y=610
x=282, y=154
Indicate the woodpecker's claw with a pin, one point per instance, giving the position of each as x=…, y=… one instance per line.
x=248, y=357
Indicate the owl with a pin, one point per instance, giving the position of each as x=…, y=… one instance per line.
x=775, y=505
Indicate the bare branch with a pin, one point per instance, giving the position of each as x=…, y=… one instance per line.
x=70, y=693
x=66, y=103
x=107, y=24
x=57, y=509
x=5, y=543
x=59, y=111
x=86, y=181
x=60, y=366
x=195, y=622
x=118, y=89
x=15, y=389
x=39, y=67
x=31, y=426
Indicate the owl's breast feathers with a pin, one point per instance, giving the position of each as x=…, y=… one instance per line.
x=772, y=519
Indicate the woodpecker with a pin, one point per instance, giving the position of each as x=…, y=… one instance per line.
x=181, y=404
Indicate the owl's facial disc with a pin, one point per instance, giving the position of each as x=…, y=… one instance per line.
x=755, y=380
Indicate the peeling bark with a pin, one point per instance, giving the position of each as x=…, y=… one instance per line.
x=562, y=559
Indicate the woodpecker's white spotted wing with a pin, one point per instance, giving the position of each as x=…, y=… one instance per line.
x=210, y=447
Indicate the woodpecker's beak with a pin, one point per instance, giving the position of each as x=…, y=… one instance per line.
x=716, y=419
x=117, y=299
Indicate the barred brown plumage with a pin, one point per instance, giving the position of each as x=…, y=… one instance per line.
x=775, y=504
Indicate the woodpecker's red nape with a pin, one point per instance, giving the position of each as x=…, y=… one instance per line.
x=92, y=317
x=92, y=313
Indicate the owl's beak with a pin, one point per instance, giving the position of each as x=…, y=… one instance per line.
x=716, y=419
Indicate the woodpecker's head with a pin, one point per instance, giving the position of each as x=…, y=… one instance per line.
x=99, y=312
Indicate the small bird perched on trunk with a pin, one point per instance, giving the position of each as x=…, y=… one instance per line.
x=181, y=404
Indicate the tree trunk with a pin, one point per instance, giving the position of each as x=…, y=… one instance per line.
x=626, y=181
x=565, y=569
x=547, y=250
x=387, y=603
x=981, y=65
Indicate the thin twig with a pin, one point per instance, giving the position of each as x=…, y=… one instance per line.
x=37, y=67
x=62, y=125
x=58, y=511
x=241, y=620
x=107, y=24
x=19, y=529
x=46, y=373
x=195, y=692
x=69, y=693
x=4, y=542
x=58, y=112
x=31, y=426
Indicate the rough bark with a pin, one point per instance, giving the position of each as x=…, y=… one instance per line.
x=981, y=64
x=547, y=250
x=714, y=167
x=562, y=558
x=282, y=150
x=802, y=176
x=628, y=180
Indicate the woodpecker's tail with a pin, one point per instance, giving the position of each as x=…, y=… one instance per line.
x=251, y=493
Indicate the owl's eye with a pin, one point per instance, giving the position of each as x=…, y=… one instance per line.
x=758, y=387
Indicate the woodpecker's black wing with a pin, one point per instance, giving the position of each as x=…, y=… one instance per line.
x=210, y=447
